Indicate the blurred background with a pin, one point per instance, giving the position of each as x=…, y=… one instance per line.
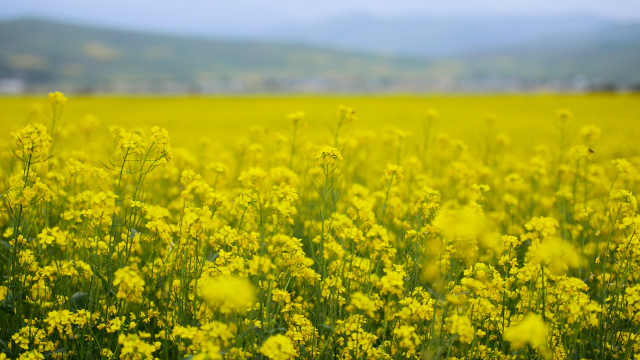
x=283, y=46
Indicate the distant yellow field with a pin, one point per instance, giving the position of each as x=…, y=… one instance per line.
x=527, y=118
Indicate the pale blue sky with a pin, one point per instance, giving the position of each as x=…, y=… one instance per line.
x=231, y=16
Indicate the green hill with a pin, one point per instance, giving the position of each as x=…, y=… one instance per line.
x=40, y=55
x=95, y=59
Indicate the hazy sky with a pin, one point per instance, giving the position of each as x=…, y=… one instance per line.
x=224, y=15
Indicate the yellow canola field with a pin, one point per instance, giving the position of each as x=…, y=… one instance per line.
x=529, y=119
x=395, y=227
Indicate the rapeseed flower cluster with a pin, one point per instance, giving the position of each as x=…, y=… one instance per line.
x=353, y=245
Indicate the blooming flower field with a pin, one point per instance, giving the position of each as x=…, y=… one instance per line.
x=425, y=231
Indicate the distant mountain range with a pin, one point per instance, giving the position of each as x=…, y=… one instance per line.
x=347, y=54
x=435, y=35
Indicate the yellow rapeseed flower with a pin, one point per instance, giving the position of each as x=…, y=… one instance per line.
x=557, y=254
x=3, y=293
x=227, y=293
x=57, y=98
x=461, y=325
x=531, y=330
x=278, y=347
x=129, y=283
